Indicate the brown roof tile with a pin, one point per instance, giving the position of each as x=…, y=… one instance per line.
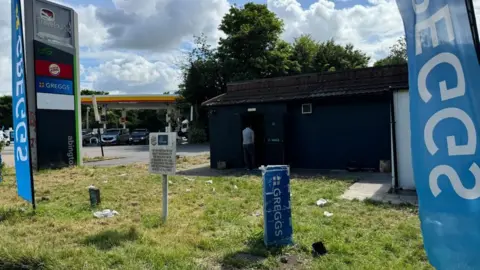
x=315, y=85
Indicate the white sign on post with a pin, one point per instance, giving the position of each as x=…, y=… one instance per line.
x=163, y=153
x=163, y=160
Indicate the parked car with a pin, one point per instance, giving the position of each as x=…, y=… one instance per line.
x=139, y=136
x=115, y=136
x=86, y=136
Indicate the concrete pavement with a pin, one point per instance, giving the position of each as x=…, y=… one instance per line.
x=377, y=187
x=128, y=154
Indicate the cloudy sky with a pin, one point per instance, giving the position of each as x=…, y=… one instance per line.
x=135, y=46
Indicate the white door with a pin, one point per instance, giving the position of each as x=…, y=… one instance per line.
x=402, y=129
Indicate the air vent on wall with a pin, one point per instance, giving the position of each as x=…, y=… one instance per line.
x=307, y=108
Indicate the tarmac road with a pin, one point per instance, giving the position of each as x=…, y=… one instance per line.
x=128, y=154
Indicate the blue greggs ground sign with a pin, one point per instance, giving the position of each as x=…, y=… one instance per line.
x=277, y=212
x=444, y=77
x=20, y=113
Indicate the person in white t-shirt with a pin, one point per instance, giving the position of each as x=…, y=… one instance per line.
x=249, y=147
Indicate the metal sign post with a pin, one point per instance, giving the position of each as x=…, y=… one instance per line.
x=163, y=160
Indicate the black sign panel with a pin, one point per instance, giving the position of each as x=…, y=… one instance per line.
x=56, y=135
x=49, y=53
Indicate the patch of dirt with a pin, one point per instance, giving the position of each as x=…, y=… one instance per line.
x=288, y=262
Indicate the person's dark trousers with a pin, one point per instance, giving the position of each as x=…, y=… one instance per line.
x=249, y=155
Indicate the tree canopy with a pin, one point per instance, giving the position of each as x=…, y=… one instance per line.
x=397, y=55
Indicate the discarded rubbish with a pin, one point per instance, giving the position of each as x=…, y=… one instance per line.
x=235, y=187
x=321, y=202
x=213, y=190
x=107, y=213
x=318, y=249
x=188, y=190
x=123, y=174
x=94, y=194
x=327, y=214
x=170, y=182
x=209, y=182
x=189, y=179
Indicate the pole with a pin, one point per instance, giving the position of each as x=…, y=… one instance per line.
x=100, y=141
x=165, y=198
x=87, y=118
x=124, y=118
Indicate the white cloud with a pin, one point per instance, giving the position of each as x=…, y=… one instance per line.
x=159, y=25
x=92, y=32
x=129, y=74
x=372, y=29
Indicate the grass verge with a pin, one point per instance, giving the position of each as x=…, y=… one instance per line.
x=94, y=159
x=186, y=162
x=210, y=226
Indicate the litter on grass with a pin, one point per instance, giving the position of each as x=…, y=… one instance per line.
x=107, y=213
x=209, y=182
x=321, y=202
x=327, y=214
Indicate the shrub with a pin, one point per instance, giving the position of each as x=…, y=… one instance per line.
x=197, y=135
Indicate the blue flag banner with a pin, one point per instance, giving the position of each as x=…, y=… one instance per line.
x=20, y=112
x=277, y=213
x=444, y=79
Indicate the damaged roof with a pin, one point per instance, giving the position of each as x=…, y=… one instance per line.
x=315, y=85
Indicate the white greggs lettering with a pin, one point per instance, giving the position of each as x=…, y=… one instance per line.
x=277, y=206
x=21, y=150
x=57, y=86
x=470, y=148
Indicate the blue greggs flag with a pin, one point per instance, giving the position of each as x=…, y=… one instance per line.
x=19, y=104
x=444, y=78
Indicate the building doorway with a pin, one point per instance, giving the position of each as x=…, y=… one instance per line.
x=256, y=121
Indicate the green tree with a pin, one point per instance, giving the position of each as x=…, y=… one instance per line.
x=88, y=92
x=6, y=117
x=335, y=57
x=252, y=34
x=202, y=75
x=303, y=54
x=397, y=55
